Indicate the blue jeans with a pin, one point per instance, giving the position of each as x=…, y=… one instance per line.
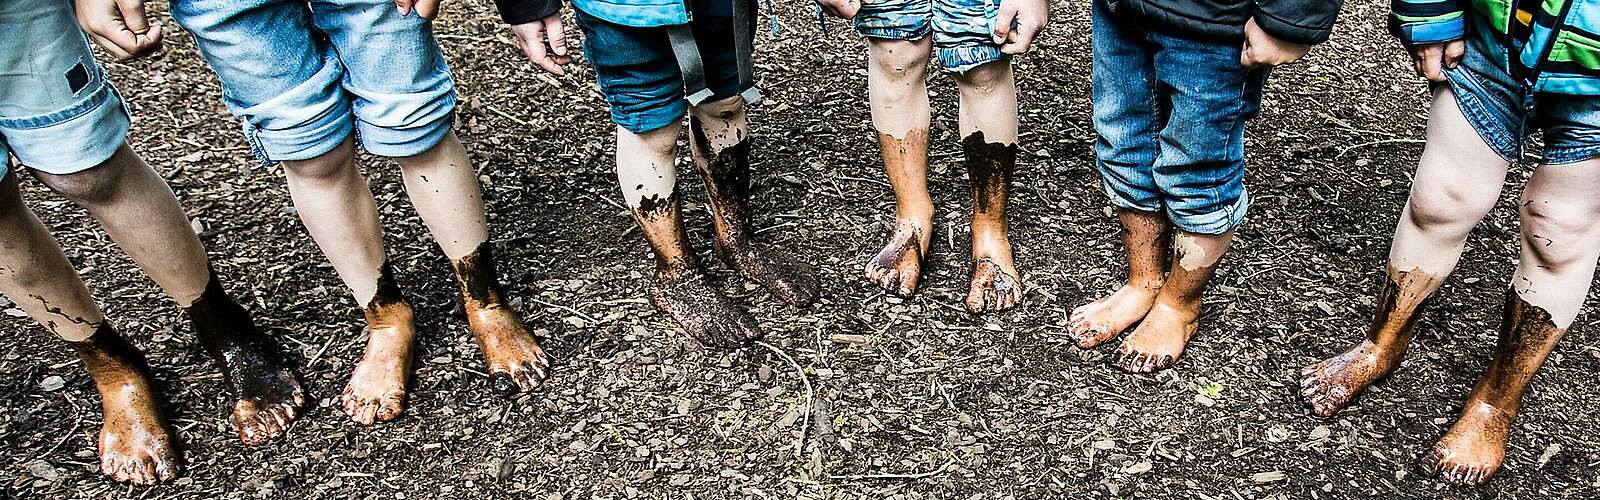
x=58, y=114
x=1170, y=113
x=304, y=75
x=963, y=30
x=1504, y=114
x=638, y=72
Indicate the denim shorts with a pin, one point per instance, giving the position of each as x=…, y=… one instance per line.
x=1499, y=110
x=638, y=72
x=963, y=30
x=304, y=75
x=1170, y=114
x=58, y=114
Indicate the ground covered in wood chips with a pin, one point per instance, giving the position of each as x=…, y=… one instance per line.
x=912, y=398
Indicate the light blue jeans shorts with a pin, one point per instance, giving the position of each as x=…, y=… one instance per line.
x=304, y=75
x=963, y=30
x=58, y=114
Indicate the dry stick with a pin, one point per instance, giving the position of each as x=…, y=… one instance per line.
x=799, y=444
x=567, y=309
x=77, y=420
x=1374, y=143
x=918, y=475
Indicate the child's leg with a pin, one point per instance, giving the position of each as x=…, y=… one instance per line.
x=1560, y=247
x=648, y=178
x=134, y=442
x=720, y=139
x=898, y=94
x=1458, y=181
x=988, y=124
x=1159, y=340
x=1127, y=118
x=444, y=187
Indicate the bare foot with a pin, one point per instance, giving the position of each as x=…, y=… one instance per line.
x=703, y=311
x=135, y=445
x=898, y=267
x=377, y=388
x=1102, y=320
x=995, y=286
x=1472, y=451
x=1159, y=340
x=268, y=394
x=788, y=279
x=512, y=355
x=1328, y=386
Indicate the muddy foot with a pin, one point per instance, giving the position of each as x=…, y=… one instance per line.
x=1102, y=320
x=898, y=267
x=1473, y=449
x=703, y=311
x=377, y=388
x=1159, y=340
x=995, y=286
x=788, y=279
x=271, y=401
x=135, y=446
x=267, y=392
x=1328, y=386
x=513, y=356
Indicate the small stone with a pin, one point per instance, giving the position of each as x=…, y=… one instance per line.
x=52, y=383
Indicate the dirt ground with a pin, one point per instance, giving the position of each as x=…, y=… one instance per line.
x=912, y=398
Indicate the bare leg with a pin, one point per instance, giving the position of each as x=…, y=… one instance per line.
x=1146, y=239
x=898, y=93
x=682, y=288
x=1159, y=340
x=988, y=123
x=721, y=149
x=1458, y=181
x=1560, y=246
x=138, y=210
x=135, y=444
x=444, y=187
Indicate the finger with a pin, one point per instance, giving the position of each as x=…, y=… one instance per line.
x=404, y=6
x=1431, y=61
x=557, y=35
x=428, y=9
x=1021, y=39
x=132, y=13
x=110, y=46
x=1453, y=52
x=149, y=42
x=1002, y=22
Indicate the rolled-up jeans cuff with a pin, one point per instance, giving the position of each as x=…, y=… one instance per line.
x=963, y=59
x=1217, y=222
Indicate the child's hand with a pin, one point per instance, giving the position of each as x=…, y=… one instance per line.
x=1263, y=49
x=842, y=9
x=1029, y=18
x=545, y=43
x=120, y=27
x=428, y=9
x=1431, y=60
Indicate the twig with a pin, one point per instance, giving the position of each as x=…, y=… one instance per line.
x=318, y=356
x=1375, y=143
x=799, y=444
x=907, y=477
x=567, y=309
x=503, y=114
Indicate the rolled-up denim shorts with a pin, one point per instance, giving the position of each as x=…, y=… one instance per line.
x=303, y=75
x=1496, y=105
x=58, y=114
x=1170, y=113
x=963, y=30
x=639, y=74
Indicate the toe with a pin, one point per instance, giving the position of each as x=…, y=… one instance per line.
x=502, y=383
x=393, y=406
x=365, y=413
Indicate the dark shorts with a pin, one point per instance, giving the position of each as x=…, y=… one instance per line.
x=638, y=72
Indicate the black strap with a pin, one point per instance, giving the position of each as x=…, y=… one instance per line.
x=693, y=68
x=689, y=63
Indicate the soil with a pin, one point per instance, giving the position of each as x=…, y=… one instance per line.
x=913, y=398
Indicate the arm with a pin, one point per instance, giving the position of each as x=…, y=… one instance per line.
x=1433, y=31
x=1018, y=22
x=1304, y=22
x=120, y=27
x=537, y=24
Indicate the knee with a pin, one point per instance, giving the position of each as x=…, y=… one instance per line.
x=900, y=60
x=727, y=110
x=1448, y=208
x=94, y=186
x=1558, y=234
x=985, y=79
x=333, y=165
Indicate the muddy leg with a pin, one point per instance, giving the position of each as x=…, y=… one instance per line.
x=377, y=388
x=135, y=443
x=681, y=289
x=721, y=145
x=1159, y=340
x=1146, y=240
x=515, y=361
x=1560, y=246
x=1458, y=181
x=988, y=123
x=900, y=113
